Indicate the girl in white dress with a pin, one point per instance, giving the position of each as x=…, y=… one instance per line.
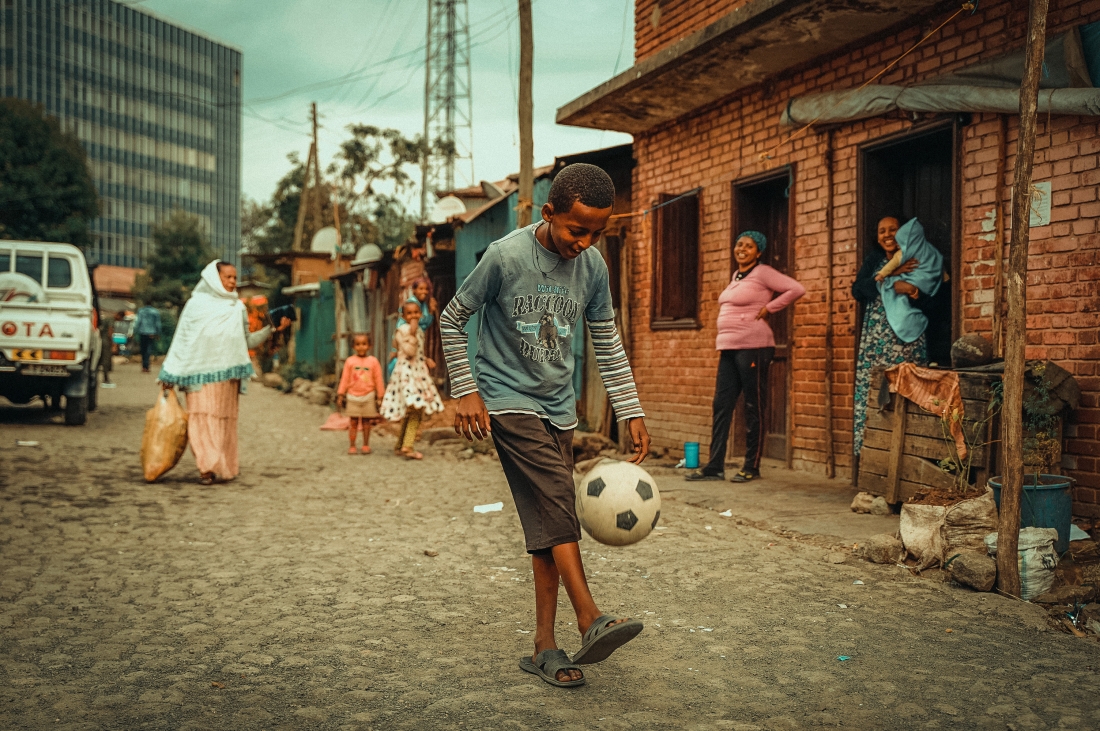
x=411, y=395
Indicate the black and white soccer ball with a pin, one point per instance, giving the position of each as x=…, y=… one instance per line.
x=618, y=503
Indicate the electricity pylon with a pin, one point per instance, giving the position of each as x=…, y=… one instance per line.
x=448, y=107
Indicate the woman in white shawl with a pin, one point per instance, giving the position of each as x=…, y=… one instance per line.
x=208, y=359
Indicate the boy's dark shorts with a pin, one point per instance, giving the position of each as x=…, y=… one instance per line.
x=538, y=461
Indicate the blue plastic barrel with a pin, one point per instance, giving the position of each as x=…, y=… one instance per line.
x=1046, y=505
x=691, y=455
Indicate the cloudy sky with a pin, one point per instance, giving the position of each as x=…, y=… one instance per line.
x=363, y=61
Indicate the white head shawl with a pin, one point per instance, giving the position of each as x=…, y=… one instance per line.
x=209, y=343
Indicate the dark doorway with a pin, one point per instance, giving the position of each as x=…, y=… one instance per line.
x=915, y=177
x=763, y=204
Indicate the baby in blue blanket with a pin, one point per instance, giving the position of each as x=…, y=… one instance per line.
x=905, y=319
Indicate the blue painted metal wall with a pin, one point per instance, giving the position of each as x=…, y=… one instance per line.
x=314, y=342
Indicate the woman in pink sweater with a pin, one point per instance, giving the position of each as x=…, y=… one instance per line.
x=746, y=345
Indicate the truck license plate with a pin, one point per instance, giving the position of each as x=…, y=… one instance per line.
x=44, y=370
x=25, y=354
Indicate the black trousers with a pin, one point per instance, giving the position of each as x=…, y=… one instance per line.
x=740, y=371
x=147, y=343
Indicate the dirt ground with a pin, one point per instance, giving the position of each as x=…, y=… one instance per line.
x=300, y=597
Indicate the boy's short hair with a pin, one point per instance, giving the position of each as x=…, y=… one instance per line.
x=360, y=335
x=581, y=182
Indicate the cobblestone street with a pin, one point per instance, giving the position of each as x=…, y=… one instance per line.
x=301, y=596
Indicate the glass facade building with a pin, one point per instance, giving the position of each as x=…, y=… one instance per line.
x=157, y=107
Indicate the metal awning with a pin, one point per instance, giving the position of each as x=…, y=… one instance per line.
x=753, y=42
x=307, y=290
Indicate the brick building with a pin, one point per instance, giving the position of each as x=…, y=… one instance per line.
x=704, y=101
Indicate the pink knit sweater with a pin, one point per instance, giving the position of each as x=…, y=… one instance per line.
x=740, y=303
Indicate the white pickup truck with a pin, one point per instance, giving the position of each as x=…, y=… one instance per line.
x=49, y=340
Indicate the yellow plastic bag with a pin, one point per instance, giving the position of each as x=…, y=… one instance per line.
x=165, y=437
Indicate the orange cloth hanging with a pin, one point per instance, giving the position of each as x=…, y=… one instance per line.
x=935, y=391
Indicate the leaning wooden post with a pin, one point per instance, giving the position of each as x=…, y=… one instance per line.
x=1008, y=572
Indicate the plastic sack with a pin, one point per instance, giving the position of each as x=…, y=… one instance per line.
x=922, y=533
x=933, y=532
x=165, y=437
x=1037, y=559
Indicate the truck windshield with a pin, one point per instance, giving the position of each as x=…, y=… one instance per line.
x=29, y=264
x=59, y=273
x=5, y=260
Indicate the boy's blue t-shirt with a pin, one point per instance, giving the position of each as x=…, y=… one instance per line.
x=530, y=299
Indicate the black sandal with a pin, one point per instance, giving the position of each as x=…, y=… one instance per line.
x=548, y=664
x=743, y=476
x=603, y=638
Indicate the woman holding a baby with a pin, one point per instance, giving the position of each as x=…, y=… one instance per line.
x=895, y=285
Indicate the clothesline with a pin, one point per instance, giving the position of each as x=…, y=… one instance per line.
x=632, y=214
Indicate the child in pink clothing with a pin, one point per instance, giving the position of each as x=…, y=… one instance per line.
x=360, y=387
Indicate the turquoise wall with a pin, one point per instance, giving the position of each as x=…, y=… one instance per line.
x=314, y=343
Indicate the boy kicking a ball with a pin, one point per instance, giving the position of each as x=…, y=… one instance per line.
x=531, y=288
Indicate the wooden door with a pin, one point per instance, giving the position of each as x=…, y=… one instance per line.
x=913, y=176
x=763, y=204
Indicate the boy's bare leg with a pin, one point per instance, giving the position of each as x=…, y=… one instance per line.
x=563, y=564
x=353, y=427
x=567, y=561
x=546, y=609
x=365, y=426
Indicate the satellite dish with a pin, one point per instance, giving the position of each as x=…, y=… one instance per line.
x=446, y=207
x=367, y=254
x=325, y=240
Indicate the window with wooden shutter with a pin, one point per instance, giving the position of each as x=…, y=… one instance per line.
x=676, y=262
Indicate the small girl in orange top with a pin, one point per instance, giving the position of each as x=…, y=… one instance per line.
x=360, y=388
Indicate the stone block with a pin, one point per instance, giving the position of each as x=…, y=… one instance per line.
x=863, y=502
x=273, y=380
x=881, y=548
x=973, y=569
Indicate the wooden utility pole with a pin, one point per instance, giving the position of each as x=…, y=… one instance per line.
x=316, y=200
x=526, y=112
x=1008, y=534
x=311, y=195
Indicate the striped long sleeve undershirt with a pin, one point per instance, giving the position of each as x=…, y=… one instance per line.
x=454, y=318
x=615, y=369
x=610, y=359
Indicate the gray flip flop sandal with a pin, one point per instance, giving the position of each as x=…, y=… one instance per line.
x=547, y=664
x=601, y=640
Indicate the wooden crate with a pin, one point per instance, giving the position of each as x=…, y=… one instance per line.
x=903, y=443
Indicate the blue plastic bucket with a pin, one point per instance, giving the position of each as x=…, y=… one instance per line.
x=691, y=455
x=1047, y=505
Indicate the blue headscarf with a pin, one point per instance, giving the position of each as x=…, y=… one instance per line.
x=760, y=239
x=426, y=318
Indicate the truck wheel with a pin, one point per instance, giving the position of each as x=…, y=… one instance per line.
x=93, y=391
x=76, y=410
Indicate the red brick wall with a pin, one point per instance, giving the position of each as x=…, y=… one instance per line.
x=676, y=19
x=718, y=145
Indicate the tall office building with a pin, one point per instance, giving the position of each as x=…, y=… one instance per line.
x=157, y=107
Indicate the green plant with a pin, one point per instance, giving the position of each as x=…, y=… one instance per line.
x=298, y=369
x=954, y=464
x=1042, y=411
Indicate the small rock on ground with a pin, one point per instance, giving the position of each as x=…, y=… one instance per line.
x=973, y=569
x=881, y=548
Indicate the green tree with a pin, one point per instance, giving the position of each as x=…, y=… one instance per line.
x=372, y=170
x=46, y=190
x=180, y=252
